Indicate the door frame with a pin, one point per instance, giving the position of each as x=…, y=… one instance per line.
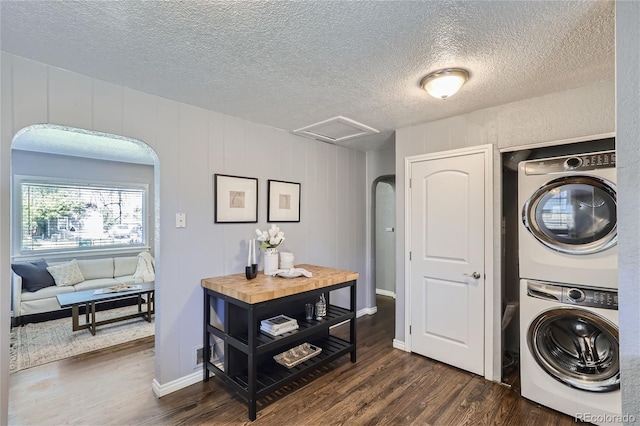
x=492, y=304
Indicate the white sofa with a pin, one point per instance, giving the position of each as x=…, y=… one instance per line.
x=97, y=273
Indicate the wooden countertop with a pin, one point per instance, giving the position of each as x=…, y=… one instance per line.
x=263, y=287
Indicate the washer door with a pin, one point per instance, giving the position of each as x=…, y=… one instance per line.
x=578, y=348
x=573, y=214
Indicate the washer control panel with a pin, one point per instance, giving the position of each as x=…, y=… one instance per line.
x=578, y=296
x=579, y=162
x=594, y=298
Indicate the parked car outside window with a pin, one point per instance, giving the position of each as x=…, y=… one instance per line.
x=120, y=231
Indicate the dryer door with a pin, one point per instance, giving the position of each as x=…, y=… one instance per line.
x=573, y=214
x=577, y=347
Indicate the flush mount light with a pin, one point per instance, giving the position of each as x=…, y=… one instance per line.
x=444, y=83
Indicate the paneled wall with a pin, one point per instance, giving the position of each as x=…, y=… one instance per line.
x=575, y=113
x=192, y=144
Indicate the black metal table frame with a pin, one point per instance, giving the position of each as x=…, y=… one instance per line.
x=90, y=320
x=251, y=345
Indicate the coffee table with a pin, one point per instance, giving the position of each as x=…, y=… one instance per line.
x=89, y=299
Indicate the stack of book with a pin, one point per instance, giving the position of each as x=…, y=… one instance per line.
x=278, y=325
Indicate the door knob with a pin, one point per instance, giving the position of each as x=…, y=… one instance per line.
x=475, y=275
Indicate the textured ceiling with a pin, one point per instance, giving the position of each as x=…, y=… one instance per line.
x=291, y=64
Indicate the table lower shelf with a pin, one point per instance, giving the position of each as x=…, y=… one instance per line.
x=266, y=343
x=271, y=375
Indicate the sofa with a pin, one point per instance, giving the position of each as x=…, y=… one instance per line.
x=38, y=294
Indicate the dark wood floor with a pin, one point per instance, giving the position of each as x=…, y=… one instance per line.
x=386, y=386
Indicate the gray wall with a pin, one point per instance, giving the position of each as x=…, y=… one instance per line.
x=192, y=144
x=575, y=113
x=628, y=143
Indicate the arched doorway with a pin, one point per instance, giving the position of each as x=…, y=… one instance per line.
x=53, y=157
x=383, y=235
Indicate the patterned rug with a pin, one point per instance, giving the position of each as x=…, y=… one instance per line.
x=48, y=341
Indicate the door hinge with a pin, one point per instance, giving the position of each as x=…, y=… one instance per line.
x=410, y=183
x=409, y=256
x=409, y=329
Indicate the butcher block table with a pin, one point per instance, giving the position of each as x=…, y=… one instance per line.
x=240, y=354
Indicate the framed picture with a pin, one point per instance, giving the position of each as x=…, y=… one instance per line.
x=235, y=199
x=283, y=201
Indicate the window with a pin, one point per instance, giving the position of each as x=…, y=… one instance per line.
x=58, y=217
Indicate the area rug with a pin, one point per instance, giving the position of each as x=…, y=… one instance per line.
x=48, y=341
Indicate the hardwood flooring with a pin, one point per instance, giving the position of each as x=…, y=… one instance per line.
x=385, y=387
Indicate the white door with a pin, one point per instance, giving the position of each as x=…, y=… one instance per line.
x=447, y=244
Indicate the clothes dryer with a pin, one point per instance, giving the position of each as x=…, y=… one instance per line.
x=569, y=350
x=568, y=227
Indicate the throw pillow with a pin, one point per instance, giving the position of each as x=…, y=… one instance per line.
x=34, y=274
x=67, y=273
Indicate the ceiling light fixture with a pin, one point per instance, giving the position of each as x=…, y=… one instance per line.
x=444, y=83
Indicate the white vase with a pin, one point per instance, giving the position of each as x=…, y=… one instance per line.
x=270, y=261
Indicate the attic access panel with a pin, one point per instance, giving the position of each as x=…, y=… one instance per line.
x=336, y=130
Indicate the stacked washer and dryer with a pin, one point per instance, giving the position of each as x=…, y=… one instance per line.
x=569, y=342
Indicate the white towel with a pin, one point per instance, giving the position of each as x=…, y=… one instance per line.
x=145, y=268
x=302, y=271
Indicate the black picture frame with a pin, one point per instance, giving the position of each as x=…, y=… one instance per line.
x=283, y=201
x=235, y=199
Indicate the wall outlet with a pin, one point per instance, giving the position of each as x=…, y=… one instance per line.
x=199, y=356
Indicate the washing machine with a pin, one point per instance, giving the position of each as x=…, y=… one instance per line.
x=568, y=227
x=569, y=350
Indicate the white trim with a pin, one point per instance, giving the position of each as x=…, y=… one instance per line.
x=492, y=289
x=387, y=293
x=176, y=385
x=400, y=345
x=491, y=300
x=408, y=161
x=366, y=311
x=559, y=142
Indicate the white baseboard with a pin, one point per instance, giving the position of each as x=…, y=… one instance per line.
x=399, y=345
x=176, y=385
x=366, y=311
x=387, y=293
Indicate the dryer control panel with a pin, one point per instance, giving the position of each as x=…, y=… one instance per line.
x=580, y=162
x=577, y=296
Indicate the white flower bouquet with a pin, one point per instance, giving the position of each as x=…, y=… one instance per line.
x=271, y=238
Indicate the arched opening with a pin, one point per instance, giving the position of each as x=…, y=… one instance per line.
x=383, y=235
x=101, y=192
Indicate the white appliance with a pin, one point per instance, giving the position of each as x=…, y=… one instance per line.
x=568, y=227
x=569, y=350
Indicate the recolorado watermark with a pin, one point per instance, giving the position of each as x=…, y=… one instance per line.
x=604, y=418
